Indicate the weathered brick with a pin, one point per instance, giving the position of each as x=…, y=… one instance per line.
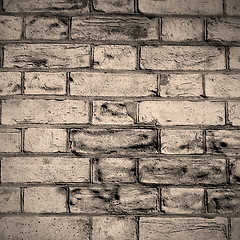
x=9, y=199
x=235, y=230
x=44, y=169
x=107, y=170
x=234, y=58
x=44, y=227
x=181, y=141
x=124, y=199
x=182, y=29
x=235, y=170
x=45, y=140
x=183, y=228
x=117, y=228
x=44, y=199
x=222, y=85
x=182, y=113
x=182, y=200
x=44, y=111
x=232, y=7
x=189, y=7
x=114, y=112
x=182, y=58
x=113, y=84
x=121, y=6
x=113, y=141
x=234, y=113
x=115, y=57
x=223, y=29
x=46, y=27
x=10, y=140
x=182, y=170
x=11, y=27
x=10, y=83
x=181, y=85
x=224, y=142
x=117, y=28
x=46, y=55
x=223, y=200
x=80, y=6
x=45, y=83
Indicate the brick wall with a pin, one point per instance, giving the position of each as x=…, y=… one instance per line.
x=120, y=119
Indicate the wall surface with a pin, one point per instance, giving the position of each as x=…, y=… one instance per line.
x=120, y=119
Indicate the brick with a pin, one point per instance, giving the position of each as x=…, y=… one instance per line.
x=108, y=170
x=124, y=199
x=223, y=200
x=11, y=27
x=182, y=113
x=223, y=29
x=113, y=84
x=122, y=6
x=118, y=228
x=223, y=142
x=44, y=111
x=182, y=170
x=46, y=28
x=114, y=112
x=44, y=200
x=182, y=29
x=181, y=85
x=235, y=170
x=234, y=113
x=232, y=7
x=44, y=169
x=234, y=58
x=45, y=140
x=117, y=28
x=46, y=6
x=184, y=7
x=235, y=231
x=183, y=228
x=44, y=227
x=113, y=141
x=115, y=57
x=10, y=140
x=222, y=85
x=46, y=55
x=182, y=200
x=9, y=199
x=182, y=58
x=45, y=83
x=181, y=141
x=10, y=83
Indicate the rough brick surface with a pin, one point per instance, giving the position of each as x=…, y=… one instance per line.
x=185, y=171
x=10, y=83
x=11, y=27
x=235, y=171
x=182, y=29
x=119, y=228
x=112, y=84
x=41, y=200
x=46, y=28
x=9, y=199
x=182, y=58
x=232, y=7
x=181, y=141
x=234, y=58
x=183, y=228
x=234, y=113
x=45, y=140
x=182, y=113
x=117, y=28
x=44, y=169
x=125, y=199
x=235, y=231
x=113, y=141
x=46, y=55
x=10, y=140
x=42, y=227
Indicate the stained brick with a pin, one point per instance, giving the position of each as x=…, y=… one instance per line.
x=10, y=140
x=235, y=170
x=10, y=199
x=234, y=57
x=11, y=27
x=232, y=7
x=234, y=113
x=10, y=83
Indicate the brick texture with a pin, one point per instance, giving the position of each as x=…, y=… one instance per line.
x=10, y=83
x=9, y=199
x=11, y=27
x=10, y=140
